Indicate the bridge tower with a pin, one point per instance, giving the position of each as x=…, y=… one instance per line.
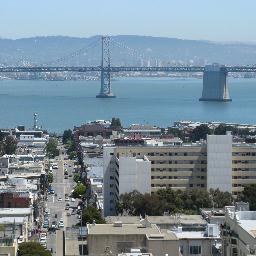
x=215, y=86
x=105, y=89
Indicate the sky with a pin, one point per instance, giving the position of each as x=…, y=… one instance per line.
x=215, y=20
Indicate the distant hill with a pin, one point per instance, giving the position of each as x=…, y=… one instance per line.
x=43, y=50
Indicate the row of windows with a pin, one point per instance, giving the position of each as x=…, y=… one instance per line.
x=244, y=154
x=177, y=154
x=244, y=161
x=179, y=162
x=177, y=185
x=177, y=177
x=243, y=177
x=178, y=170
x=244, y=169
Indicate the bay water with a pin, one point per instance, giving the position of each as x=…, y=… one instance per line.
x=157, y=101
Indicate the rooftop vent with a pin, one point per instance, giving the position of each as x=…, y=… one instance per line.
x=118, y=224
x=156, y=236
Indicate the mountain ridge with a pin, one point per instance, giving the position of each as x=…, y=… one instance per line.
x=42, y=49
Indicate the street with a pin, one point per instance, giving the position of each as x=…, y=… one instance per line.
x=56, y=202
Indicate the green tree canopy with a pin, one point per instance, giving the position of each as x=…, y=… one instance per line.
x=91, y=214
x=220, y=199
x=172, y=201
x=200, y=132
x=32, y=249
x=77, y=177
x=116, y=123
x=249, y=195
x=50, y=177
x=67, y=136
x=10, y=145
x=79, y=190
x=51, y=148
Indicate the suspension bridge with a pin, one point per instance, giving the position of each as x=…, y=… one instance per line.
x=215, y=86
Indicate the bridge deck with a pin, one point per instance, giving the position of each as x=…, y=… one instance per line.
x=123, y=69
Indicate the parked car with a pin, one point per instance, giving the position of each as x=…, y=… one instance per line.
x=61, y=224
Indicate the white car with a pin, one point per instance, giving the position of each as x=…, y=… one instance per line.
x=20, y=239
x=43, y=244
x=59, y=199
x=61, y=223
x=43, y=234
x=73, y=199
x=43, y=239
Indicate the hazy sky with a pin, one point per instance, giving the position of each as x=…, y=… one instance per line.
x=218, y=20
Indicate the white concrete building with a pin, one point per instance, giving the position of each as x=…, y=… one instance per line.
x=239, y=232
x=123, y=175
x=219, y=162
x=199, y=243
x=134, y=174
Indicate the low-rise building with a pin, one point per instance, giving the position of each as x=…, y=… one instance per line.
x=239, y=232
x=143, y=130
x=207, y=242
x=119, y=238
x=8, y=247
x=186, y=222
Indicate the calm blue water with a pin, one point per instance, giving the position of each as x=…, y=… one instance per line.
x=159, y=101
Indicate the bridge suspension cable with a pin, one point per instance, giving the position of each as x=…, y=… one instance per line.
x=74, y=54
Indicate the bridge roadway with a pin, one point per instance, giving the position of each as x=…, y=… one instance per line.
x=124, y=69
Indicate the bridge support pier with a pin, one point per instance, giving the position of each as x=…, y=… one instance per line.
x=215, y=86
x=105, y=88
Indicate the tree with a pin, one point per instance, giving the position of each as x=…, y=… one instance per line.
x=32, y=249
x=200, y=132
x=249, y=195
x=91, y=214
x=79, y=190
x=9, y=145
x=50, y=178
x=168, y=200
x=115, y=123
x=76, y=177
x=222, y=129
x=67, y=136
x=51, y=148
x=176, y=132
x=220, y=198
x=2, y=135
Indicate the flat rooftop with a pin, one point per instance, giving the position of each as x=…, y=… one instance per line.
x=172, y=220
x=15, y=211
x=125, y=229
x=11, y=220
x=152, y=232
x=247, y=220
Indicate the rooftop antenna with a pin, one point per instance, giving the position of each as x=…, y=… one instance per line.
x=35, y=126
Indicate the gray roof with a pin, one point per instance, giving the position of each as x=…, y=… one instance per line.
x=172, y=220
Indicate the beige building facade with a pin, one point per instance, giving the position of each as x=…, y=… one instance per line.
x=203, y=165
x=116, y=238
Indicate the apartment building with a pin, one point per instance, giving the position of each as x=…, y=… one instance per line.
x=214, y=163
x=239, y=232
x=123, y=175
